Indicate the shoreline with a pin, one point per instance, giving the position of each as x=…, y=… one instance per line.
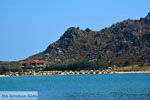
x=132, y=72
x=50, y=73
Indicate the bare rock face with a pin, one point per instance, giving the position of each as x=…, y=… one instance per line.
x=148, y=16
x=122, y=43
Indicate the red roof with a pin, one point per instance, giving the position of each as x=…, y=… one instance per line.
x=23, y=62
x=32, y=61
x=37, y=61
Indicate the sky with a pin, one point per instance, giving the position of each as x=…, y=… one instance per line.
x=27, y=27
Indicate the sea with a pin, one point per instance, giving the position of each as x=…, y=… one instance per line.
x=82, y=87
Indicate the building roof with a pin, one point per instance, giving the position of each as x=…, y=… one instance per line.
x=37, y=61
x=23, y=62
x=32, y=61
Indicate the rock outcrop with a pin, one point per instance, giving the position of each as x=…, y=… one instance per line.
x=126, y=42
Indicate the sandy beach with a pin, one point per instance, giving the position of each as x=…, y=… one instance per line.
x=4, y=75
x=132, y=72
x=43, y=73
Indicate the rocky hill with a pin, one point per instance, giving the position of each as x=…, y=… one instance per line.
x=124, y=43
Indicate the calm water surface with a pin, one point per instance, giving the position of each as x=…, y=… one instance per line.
x=82, y=87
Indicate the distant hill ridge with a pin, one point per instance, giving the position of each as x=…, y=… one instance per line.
x=126, y=42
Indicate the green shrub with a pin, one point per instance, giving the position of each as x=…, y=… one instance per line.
x=87, y=30
x=81, y=65
x=4, y=70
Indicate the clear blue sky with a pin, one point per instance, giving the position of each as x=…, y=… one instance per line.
x=27, y=27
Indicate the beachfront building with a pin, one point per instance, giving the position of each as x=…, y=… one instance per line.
x=33, y=63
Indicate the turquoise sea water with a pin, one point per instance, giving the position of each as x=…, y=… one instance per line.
x=82, y=87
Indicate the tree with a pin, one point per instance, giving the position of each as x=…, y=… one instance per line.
x=87, y=30
x=4, y=70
